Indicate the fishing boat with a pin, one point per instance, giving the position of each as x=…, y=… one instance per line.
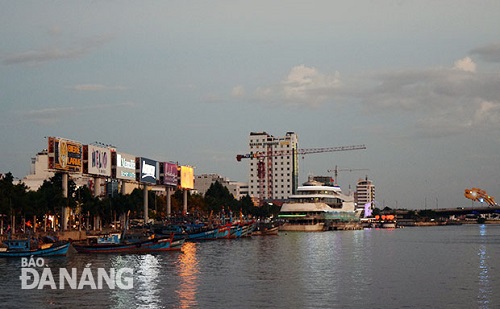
x=317, y=206
x=266, y=231
x=27, y=248
x=153, y=244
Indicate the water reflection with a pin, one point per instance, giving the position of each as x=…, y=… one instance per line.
x=188, y=275
x=484, y=280
x=145, y=292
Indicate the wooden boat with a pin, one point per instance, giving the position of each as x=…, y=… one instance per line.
x=208, y=233
x=153, y=244
x=24, y=248
x=266, y=231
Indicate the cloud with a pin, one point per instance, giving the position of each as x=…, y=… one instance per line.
x=435, y=101
x=238, y=91
x=53, y=53
x=466, y=64
x=303, y=86
x=96, y=87
x=489, y=53
x=50, y=116
x=439, y=101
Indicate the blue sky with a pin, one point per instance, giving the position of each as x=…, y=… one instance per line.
x=417, y=82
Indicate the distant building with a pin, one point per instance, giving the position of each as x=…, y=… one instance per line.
x=203, y=182
x=273, y=174
x=365, y=193
x=38, y=171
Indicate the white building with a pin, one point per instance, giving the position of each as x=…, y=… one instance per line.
x=39, y=171
x=203, y=182
x=273, y=166
x=365, y=193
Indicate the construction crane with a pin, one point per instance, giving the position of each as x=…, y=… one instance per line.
x=280, y=153
x=268, y=155
x=480, y=195
x=337, y=170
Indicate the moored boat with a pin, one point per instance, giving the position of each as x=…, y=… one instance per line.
x=316, y=207
x=266, y=231
x=153, y=244
x=25, y=248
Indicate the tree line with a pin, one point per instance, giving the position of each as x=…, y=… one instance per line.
x=20, y=206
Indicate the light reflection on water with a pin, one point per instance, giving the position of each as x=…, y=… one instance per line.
x=485, y=289
x=434, y=267
x=188, y=276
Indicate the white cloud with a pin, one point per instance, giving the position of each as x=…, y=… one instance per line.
x=466, y=64
x=303, y=86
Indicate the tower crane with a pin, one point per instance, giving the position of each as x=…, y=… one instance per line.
x=266, y=156
x=303, y=151
x=336, y=171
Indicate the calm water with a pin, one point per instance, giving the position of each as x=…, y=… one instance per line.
x=431, y=267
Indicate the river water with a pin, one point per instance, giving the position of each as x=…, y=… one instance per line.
x=417, y=267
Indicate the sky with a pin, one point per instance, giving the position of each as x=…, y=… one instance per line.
x=416, y=82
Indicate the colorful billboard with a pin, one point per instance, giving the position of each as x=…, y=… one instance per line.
x=148, y=171
x=64, y=155
x=98, y=160
x=187, y=177
x=171, y=174
x=125, y=166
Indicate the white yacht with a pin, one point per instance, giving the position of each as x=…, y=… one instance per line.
x=315, y=207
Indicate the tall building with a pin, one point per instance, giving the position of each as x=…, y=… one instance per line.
x=365, y=193
x=273, y=166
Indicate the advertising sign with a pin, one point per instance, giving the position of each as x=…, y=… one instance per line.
x=148, y=170
x=187, y=177
x=99, y=160
x=171, y=173
x=64, y=155
x=125, y=166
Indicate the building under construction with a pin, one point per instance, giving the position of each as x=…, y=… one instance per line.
x=274, y=173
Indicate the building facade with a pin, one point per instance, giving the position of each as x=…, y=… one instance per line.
x=203, y=182
x=365, y=193
x=273, y=166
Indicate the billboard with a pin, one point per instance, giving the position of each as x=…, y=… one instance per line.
x=148, y=171
x=187, y=177
x=171, y=174
x=64, y=155
x=125, y=166
x=98, y=160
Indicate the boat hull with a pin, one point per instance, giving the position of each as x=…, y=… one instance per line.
x=148, y=246
x=266, y=231
x=318, y=227
x=54, y=250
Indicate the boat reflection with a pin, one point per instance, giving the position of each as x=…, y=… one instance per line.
x=188, y=274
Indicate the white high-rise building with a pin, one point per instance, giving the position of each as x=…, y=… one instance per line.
x=273, y=166
x=365, y=193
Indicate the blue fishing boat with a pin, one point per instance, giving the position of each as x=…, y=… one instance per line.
x=27, y=248
x=204, y=233
x=153, y=244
